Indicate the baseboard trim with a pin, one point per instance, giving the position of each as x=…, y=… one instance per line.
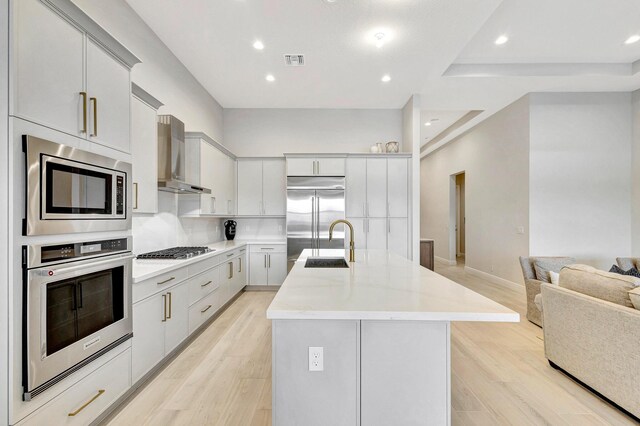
x=492, y=278
x=445, y=261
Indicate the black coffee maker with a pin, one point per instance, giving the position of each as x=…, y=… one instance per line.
x=230, y=229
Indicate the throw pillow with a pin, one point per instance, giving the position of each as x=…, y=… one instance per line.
x=633, y=272
x=543, y=265
x=617, y=270
x=554, y=277
x=634, y=295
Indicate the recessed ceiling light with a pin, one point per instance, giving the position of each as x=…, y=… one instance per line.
x=270, y=77
x=428, y=123
x=633, y=39
x=330, y=1
x=386, y=78
x=258, y=45
x=501, y=40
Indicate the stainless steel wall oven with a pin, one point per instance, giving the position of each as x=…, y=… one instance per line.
x=76, y=307
x=71, y=190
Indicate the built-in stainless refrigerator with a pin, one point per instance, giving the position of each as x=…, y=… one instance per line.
x=313, y=203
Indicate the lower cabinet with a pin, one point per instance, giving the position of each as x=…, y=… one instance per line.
x=160, y=324
x=83, y=402
x=268, y=265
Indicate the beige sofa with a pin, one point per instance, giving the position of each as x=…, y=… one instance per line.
x=532, y=283
x=592, y=332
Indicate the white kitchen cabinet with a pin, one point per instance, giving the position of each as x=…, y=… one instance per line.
x=274, y=187
x=261, y=187
x=366, y=187
x=250, y=187
x=397, y=231
x=376, y=233
x=377, y=191
x=277, y=268
x=268, y=264
x=148, y=335
x=356, y=187
x=109, y=89
x=258, y=272
x=359, y=233
x=144, y=148
x=398, y=186
x=177, y=311
x=68, y=74
x=211, y=166
x=315, y=166
x=160, y=324
x=376, y=187
x=48, y=67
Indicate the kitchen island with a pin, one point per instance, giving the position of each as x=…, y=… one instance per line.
x=368, y=344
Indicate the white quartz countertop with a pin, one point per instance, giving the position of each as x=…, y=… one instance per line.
x=143, y=269
x=379, y=286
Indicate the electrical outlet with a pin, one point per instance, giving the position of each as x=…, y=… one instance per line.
x=520, y=229
x=316, y=358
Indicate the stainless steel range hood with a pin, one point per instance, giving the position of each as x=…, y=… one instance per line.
x=171, y=158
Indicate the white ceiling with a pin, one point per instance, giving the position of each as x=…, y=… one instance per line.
x=214, y=40
x=441, y=49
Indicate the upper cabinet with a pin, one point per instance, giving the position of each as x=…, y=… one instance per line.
x=214, y=167
x=261, y=187
x=144, y=150
x=315, y=166
x=69, y=74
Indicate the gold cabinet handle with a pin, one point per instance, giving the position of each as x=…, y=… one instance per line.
x=206, y=284
x=84, y=111
x=170, y=298
x=164, y=308
x=205, y=309
x=135, y=203
x=167, y=280
x=96, y=396
x=239, y=264
x=269, y=260
x=95, y=116
x=230, y=270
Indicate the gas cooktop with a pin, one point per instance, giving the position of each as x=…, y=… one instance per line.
x=175, y=253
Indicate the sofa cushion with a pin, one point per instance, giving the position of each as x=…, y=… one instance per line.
x=603, y=285
x=542, y=266
x=635, y=297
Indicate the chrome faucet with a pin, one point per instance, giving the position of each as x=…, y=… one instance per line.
x=352, y=250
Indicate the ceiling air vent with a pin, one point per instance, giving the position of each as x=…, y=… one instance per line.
x=294, y=60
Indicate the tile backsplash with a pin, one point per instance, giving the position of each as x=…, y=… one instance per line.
x=166, y=229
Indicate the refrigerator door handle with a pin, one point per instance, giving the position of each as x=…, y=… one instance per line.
x=313, y=222
x=318, y=219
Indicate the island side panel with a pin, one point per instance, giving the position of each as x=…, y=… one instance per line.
x=405, y=373
x=303, y=397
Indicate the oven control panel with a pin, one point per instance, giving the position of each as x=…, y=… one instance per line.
x=55, y=253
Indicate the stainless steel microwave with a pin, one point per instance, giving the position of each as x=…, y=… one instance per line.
x=69, y=190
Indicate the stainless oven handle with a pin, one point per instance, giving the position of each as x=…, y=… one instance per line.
x=60, y=270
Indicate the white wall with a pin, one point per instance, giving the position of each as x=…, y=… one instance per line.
x=580, y=178
x=272, y=132
x=411, y=143
x=495, y=158
x=160, y=73
x=635, y=176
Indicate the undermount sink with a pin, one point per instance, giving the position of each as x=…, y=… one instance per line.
x=326, y=262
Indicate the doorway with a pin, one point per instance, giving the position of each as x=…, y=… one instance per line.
x=457, y=218
x=460, y=218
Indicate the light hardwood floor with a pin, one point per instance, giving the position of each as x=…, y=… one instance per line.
x=499, y=373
